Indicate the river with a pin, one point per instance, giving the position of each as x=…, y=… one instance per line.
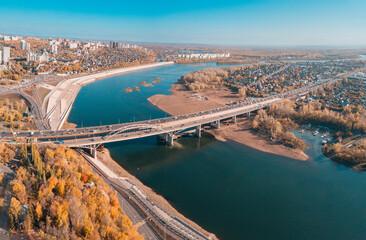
x=229, y=189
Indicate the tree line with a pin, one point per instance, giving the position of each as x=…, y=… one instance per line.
x=277, y=130
x=56, y=194
x=349, y=122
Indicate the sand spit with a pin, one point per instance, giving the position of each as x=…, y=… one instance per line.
x=182, y=101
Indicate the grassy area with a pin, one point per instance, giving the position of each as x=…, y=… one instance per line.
x=68, y=125
x=11, y=97
x=12, y=108
x=42, y=93
x=53, y=83
x=30, y=92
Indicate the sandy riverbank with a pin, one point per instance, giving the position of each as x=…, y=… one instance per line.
x=181, y=101
x=105, y=157
x=68, y=125
x=242, y=133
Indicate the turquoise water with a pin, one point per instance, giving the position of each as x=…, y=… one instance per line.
x=229, y=189
x=106, y=102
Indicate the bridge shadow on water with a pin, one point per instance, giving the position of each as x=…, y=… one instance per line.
x=152, y=152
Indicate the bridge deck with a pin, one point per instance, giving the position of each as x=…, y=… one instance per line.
x=127, y=131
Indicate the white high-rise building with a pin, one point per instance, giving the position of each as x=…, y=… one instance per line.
x=6, y=56
x=44, y=57
x=31, y=57
x=22, y=44
x=54, y=49
x=1, y=57
x=73, y=45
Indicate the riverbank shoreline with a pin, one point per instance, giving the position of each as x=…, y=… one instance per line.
x=183, y=101
x=62, y=97
x=242, y=133
x=105, y=158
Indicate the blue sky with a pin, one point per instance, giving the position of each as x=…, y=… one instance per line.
x=227, y=22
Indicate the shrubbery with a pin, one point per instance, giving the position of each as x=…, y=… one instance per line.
x=273, y=128
x=209, y=78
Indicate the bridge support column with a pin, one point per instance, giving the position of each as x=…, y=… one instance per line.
x=234, y=119
x=93, y=152
x=168, y=138
x=170, y=141
x=198, y=131
x=248, y=114
x=164, y=136
x=217, y=125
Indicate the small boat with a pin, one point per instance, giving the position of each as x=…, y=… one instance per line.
x=324, y=142
x=315, y=132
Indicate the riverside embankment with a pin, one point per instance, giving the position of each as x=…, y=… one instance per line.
x=61, y=98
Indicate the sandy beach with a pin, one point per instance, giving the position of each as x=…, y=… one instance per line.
x=182, y=101
x=242, y=133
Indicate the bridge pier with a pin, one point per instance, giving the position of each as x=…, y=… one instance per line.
x=248, y=114
x=234, y=119
x=168, y=138
x=164, y=136
x=170, y=141
x=217, y=124
x=93, y=152
x=198, y=131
